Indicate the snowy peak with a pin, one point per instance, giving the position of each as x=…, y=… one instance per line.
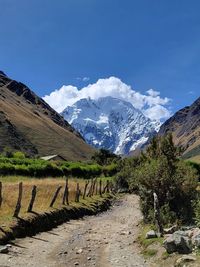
x=110, y=123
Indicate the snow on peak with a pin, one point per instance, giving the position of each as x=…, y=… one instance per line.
x=110, y=123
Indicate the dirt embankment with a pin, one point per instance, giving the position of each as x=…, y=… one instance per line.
x=36, y=223
x=104, y=240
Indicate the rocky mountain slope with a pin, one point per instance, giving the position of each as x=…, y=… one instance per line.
x=110, y=123
x=185, y=127
x=29, y=124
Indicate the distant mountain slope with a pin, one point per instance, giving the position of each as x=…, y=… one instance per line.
x=185, y=127
x=29, y=124
x=110, y=123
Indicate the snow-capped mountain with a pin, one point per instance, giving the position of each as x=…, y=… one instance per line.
x=110, y=123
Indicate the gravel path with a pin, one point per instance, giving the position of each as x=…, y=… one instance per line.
x=105, y=240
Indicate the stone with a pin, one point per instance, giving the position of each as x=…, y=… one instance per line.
x=184, y=259
x=125, y=233
x=79, y=251
x=76, y=263
x=4, y=249
x=169, y=245
x=151, y=234
x=171, y=229
x=196, y=240
x=178, y=242
x=89, y=258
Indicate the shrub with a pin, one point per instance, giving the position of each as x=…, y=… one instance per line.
x=174, y=190
x=104, y=157
x=19, y=155
x=160, y=170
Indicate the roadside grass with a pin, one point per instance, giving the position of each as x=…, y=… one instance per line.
x=149, y=252
x=147, y=244
x=45, y=190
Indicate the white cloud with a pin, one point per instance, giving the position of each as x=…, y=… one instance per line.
x=86, y=79
x=157, y=112
x=83, y=79
x=152, y=104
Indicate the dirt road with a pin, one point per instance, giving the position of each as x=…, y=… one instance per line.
x=105, y=240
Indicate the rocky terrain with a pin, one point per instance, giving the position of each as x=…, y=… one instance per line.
x=29, y=124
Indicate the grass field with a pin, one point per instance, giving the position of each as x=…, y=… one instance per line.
x=45, y=190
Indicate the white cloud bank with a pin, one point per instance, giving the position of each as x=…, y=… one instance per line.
x=151, y=104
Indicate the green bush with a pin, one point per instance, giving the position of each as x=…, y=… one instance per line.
x=104, y=157
x=160, y=170
x=19, y=155
x=174, y=190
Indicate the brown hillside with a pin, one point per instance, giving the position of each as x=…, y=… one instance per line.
x=185, y=127
x=29, y=124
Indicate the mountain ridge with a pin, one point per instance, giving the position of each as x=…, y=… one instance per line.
x=185, y=128
x=27, y=119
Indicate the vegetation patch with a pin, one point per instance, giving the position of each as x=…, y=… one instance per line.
x=149, y=252
x=161, y=171
x=15, y=163
x=143, y=241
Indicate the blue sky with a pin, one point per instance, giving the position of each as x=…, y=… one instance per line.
x=147, y=44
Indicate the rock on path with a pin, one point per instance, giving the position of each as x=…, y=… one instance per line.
x=105, y=240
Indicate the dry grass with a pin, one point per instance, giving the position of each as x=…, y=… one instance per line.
x=45, y=190
x=195, y=159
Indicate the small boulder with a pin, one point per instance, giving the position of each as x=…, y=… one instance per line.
x=79, y=251
x=4, y=249
x=151, y=234
x=184, y=259
x=196, y=240
x=178, y=242
x=171, y=230
x=169, y=244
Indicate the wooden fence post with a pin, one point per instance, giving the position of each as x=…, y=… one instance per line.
x=85, y=189
x=157, y=214
x=108, y=187
x=19, y=200
x=100, y=185
x=1, y=198
x=66, y=194
x=33, y=195
x=89, y=194
x=55, y=196
x=96, y=187
x=77, y=193
x=93, y=187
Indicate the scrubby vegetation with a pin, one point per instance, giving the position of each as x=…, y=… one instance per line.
x=160, y=170
x=105, y=157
